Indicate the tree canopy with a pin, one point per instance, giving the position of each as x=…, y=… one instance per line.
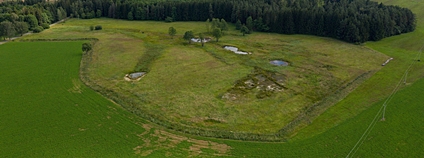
x=348, y=20
x=244, y=30
x=7, y=29
x=238, y=25
x=188, y=35
x=19, y=17
x=21, y=27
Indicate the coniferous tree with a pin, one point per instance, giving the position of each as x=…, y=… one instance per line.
x=210, y=11
x=174, y=13
x=130, y=16
x=238, y=25
x=98, y=13
x=372, y=20
x=244, y=30
x=249, y=24
x=215, y=23
x=208, y=26
x=223, y=25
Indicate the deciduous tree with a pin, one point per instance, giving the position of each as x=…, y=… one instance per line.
x=172, y=31
x=32, y=21
x=86, y=47
x=188, y=35
x=223, y=25
x=217, y=34
x=249, y=24
x=7, y=29
x=21, y=27
x=202, y=39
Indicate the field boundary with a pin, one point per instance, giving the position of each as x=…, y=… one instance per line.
x=382, y=110
x=313, y=111
x=131, y=102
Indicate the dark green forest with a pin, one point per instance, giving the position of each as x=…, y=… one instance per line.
x=353, y=21
x=17, y=18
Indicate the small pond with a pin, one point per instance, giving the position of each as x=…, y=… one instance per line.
x=235, y=50
x=198, y=40
x=136, y=75
x=279, y=63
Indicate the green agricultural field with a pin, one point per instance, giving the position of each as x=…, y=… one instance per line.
x=50, y=124
x=47, y=115
x=399, y=136
x=209, y=87
x=403, y=49
x=46, y=111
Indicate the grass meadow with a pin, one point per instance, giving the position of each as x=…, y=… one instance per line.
x=44, y=114
x=186, y=82
x=48, y=112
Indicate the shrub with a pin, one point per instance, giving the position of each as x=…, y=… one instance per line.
x=38, y=29
x=91, y=28
x=98, y=27
x=86, y=47
x=169, y=19
x=45, y=26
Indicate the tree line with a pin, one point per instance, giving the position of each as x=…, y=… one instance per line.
x=17, y=18
x=349, y=20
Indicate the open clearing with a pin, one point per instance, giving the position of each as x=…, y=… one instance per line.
x=209, y=87
x=45, y=130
